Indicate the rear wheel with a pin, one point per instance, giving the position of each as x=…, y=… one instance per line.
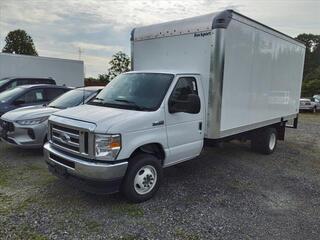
x=142, y=179
x=265, y=141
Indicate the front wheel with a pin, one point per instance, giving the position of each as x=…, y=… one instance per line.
x=143, y=178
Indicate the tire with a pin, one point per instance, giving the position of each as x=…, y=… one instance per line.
x=314, y=110
x=265, y=141
x=143, y=168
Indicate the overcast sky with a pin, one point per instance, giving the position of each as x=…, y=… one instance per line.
x=102, y=27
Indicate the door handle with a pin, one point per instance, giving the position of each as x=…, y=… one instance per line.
x=157, y=123
x=200, y=126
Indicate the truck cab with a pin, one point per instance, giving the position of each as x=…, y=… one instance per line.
x=156, y=115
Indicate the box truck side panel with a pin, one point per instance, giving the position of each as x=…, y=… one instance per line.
x=262, y=77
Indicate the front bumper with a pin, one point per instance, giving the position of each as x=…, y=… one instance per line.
x=73, y=167
x=32, y=136
x=306, y=108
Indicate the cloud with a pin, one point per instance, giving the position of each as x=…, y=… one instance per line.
x=100, y=28
x=92, y=46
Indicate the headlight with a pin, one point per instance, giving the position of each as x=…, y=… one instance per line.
x=107, y=147
x=33, y=121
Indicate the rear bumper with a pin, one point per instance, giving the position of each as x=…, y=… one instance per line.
x=78, y=170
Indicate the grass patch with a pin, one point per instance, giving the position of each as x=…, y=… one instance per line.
x=27, y=233
x=127, y=237
x=93, y=226
x=241, y=185
x=183, y=235
x=127, y=209
x=310, y=117
x=5, y=203
x=4, y=176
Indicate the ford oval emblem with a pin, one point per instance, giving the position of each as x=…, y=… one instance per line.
x=65, y=137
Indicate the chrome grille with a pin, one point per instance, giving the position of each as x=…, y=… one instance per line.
x=70, y=139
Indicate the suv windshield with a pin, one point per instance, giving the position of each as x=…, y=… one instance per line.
x=6, y=95
x=139, y=91
x=71, y=99
x=4, y=81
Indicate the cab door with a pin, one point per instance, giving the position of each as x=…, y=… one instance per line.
x=184, y=126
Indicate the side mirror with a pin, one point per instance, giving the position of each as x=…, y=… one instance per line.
x=18, y=102
x=191, y=105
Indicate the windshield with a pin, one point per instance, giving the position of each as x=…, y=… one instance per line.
x=71, y=99
x=139, y=91
x=7, y=95
x=4, y=81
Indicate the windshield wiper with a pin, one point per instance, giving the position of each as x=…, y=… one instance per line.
x=99, y=99
x=132, y=103
x=52, y=106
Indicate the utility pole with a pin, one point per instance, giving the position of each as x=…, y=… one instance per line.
x=80, y=52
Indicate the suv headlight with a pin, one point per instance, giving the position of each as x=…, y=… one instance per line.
x=33, y=121
x=107, y=146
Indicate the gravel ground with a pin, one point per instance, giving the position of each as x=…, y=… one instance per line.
x=227, y=193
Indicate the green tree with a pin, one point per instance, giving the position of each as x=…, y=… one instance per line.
x=312, y=43
x=19, y=42
x=311, y=73
x=119, y=64
x=103, y=78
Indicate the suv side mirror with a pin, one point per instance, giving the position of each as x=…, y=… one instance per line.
x=19, y=102
x=191, y=105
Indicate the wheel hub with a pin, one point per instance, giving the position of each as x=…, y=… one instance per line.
x=272, y=141
x=145, y=179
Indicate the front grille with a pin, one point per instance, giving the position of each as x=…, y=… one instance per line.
x=7, y=126
x=69, y=138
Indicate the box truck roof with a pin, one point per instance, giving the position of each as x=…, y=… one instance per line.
x=201, y=24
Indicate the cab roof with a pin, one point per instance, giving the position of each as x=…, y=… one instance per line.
x=174, y=72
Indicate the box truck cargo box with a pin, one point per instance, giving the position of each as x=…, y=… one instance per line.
x=251, y=74
x=211, y=78
x=63, y=71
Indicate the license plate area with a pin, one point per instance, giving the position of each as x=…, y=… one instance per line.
x=59, y=170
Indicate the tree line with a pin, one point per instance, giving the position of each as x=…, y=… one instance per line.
x=19, y=42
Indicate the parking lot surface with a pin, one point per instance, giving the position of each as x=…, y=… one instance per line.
x=227, y=193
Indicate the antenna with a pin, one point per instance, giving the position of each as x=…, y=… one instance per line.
x=83, y=93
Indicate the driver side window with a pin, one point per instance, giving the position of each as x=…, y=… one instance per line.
x=184, y=87
x=11, y=85
x=181, y=97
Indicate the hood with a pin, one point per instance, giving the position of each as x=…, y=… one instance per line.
x=112, y=120
x=29, y=113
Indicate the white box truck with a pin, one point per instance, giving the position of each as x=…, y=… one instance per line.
x=210, y=78
x=64, y=71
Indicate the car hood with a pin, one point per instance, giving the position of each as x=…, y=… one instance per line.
x=29, y=113
x=113, y=120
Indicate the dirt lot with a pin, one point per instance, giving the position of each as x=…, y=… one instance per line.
x=227, y=193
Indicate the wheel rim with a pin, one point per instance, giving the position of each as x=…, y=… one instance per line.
x=272, y=141
x=145, y=179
